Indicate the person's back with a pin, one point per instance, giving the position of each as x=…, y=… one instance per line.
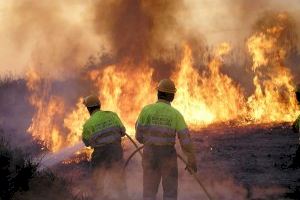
x=159, y=123
x=103, y=127
x=156, y=128
x=103, y=132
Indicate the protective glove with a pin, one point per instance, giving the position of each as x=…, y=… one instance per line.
x=192, y=165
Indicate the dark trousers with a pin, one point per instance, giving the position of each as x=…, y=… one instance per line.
x=160, y=163
x=107, y=164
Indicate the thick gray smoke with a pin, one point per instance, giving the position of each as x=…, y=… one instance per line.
x=61, y=38
x=52, y=36
x=232, y=20
x=57, y=37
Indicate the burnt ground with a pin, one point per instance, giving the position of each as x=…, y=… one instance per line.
x=257, y=158
x=249, y=162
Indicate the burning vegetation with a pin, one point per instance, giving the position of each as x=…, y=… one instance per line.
x=206, y=95
x=119, y=49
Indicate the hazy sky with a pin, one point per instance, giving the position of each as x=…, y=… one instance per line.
x=57, y=33
x=220, y=20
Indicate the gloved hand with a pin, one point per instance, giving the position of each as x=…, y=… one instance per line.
x=192, y=165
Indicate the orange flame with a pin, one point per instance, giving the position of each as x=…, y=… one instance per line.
x=203, y=96
x=205, y=99
x=273, y=99
x=43, y=126
x=125, y=90
x=74, y=122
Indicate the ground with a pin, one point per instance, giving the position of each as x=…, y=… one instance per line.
x=248, y=162
x=257, y=158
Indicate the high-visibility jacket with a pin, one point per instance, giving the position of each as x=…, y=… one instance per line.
x=103, y=127
x=159, y=123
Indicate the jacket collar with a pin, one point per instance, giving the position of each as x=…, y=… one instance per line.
x=95, y=112
x=163, y=101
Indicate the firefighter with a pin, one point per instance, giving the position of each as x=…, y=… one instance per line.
x=156, y=128
x=103, y=132
x=296, y=129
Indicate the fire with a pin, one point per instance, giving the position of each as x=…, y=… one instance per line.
x=122, y=91
x=125, y=89
x=48, y=108
x=189, y=97
x=273, y=99
x=206, y=99
x=74, y=123
x=204, y=96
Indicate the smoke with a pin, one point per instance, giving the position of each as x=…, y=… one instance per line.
x=135, y=28
x=53, y=37
x=231, y=20
x=219, y=183
x=58, y=38
x=141, y=32
x=61, y=38
x=51, y=159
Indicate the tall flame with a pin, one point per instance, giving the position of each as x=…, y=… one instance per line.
x=205, y=99
x=273, y=99
x=203, y=96
x=44, y=127
x=124, y=89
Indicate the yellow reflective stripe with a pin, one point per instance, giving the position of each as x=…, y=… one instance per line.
x=157, y=131
x=105, y=140
x=185, y=141
x=183, y=132
x=107, y=135
x=157, y=135
x=184, y=137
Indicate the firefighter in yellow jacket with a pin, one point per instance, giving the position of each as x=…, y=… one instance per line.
x=103, y=132
x=156, y=128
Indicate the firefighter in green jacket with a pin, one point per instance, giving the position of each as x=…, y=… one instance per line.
x=103, y=132
x=156, y=128
x=296, y=129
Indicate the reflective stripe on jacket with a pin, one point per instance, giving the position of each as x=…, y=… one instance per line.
x=159, y=123
x=103, y=127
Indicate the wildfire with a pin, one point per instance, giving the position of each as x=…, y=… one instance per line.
x=204, y=96
x=273, y=99
x=125, y=89
x=74, y=122
x=48, y=108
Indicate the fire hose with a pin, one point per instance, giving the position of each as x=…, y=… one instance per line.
x=133, y=142
x=138, y=149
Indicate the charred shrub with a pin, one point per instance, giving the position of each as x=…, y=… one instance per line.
x=46, y=185
x=21, y=180
x=16, y=171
